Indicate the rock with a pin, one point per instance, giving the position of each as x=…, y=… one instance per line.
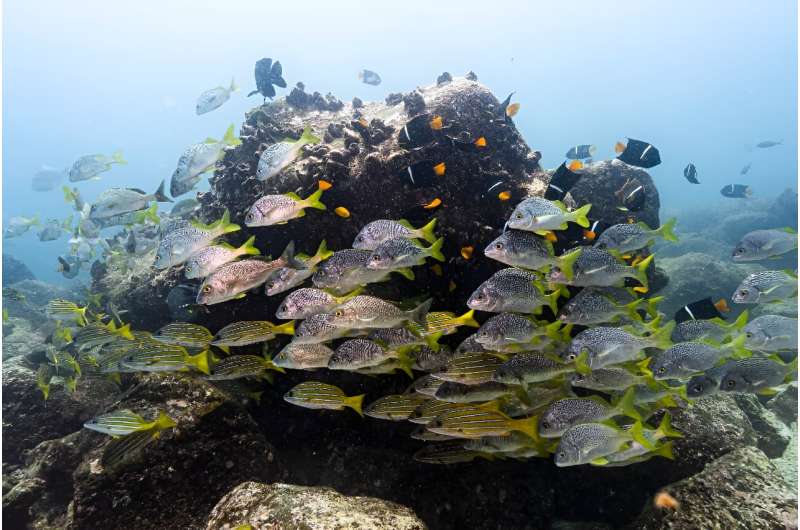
x=773, y=435
x=23, y=338
x=299, y=99
x=471, y=76
x=27, y=300
x=741, y=490
x=784, y=405
x=290, y=507
x=15, y=271
x=787, y=463
x=444, y=78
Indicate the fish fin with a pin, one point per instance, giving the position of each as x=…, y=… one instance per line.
x=652, y=305
x=665, y=429
x=579, y=216
x=164, y=422
x=432, y=340
x=321, y=254
x=419, y=314
x=582, y=364
x=117, y=158
x=159, y=194
x=248, y=248
x=566, y=262
x=528, y=426
x=552, y=300
x=269, y=365
x=199, y=361
x=599, y=461
x=626, y=404
x=405, y=272
x=637, y=433
x=641, y=270
x=632, y=309
x=740, y=322
x=737, y=348
x=229, y=138
x=660, y=338
x=233, y=87
x=467, y=319
x=788, y=230
x=226, y=349
x=666, y=231
x=665, y=450
x=308, y=137
x=435, y=250
x=287, y=328
x=312, y=201
x=355, y=403
x=288, y=256
x=125, y=331
x=426, y=232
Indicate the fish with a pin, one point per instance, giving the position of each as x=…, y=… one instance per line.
x=342, y=212
x=771, y=333
x=73, y=196
x=764, y=244
x=473, y=422
x=207, y=260
x=432, y=408
x=736, y=191
x=520, y=248
x=631, y=196
x=368, y=77
x=120, y=449
x=54, y=229
x=768, y=143
x=318, y=328
x=303, y=356
x=419, y=131
x=184, y=208
x=309, y=301
x=181, y=302
x=512, y=109
x=745, y=169
x=427, y=385
x=395, y=407
x=502, y=444
x=606, y=346
x=347, y=270
x=98, y=334
x=276, y=157
x=435, y=203
x=690, y=173
x=512, y=290
x=317, y=395
x=178, y=245
x=376, y=232
x=766, y=286
x=602, y=305
x=686, y=359
x=470, y=368
x=267, y=74
x=609, y=379
x=214, y=98
x=17, y=226
x=465, y=142
x=708, y=382
x=47, y=178
x=561, y=182
x=357, y=353
x=117, y=201
x=509, y=329
x=64, y=310
x=539, y=215
x=279, y=209
x=714, y=329
x=463, y=393
x=367, y=312
x=595, y=267
x=287, y=278
x=466, y=252
x=627, y=237
x=124, y=422
x=527, y=367
x=566, y=413
x=425, y=173
x=184, y=334
x=705, y=308
x=90, y=166
x=402, y=253
x=638, y=153
x=152, y=356
x=591, y=442
x=239, y=366
x=636, y=452
x=581, y=152
x=445, y=453
x=758, y=375
x=198, y=159
x=247, y=332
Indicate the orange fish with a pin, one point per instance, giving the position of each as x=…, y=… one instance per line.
x=551, y=236
x=590, y=235
x=722, y=306
x=439, y=169
x=435, y=203
x=341, y=211
x=619, y=147
x=480, y=142
x=504, y=195
x=324, y=185
x=466, y=252
x=665, y=501
x=437, y=123
x=575, y=165
x=641, y=289
x=512, y=110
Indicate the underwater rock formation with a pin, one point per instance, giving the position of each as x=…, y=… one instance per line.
x=291, y=507
x=773, y=435
x=15, y=271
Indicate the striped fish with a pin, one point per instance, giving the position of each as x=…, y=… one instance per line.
x=123, y=422
x=395, y=407
x=317, y=395
x=250, y=332
x=470, y=368
x=475, y=422
x=238, y=366
x=184, y=334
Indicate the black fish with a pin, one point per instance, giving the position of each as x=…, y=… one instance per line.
x=700, y=310
x=562, y=181
x=424, y=174
x=690, y=172
x=631, y=195
x=268, y=74
x=736, y=191
x=369, y=77
x=181, y=302
x=417, y=132
x=638, y=153
x=581, y=152
x=745, y=169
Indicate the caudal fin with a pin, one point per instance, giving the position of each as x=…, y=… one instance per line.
x=626, y=404
x=308, y=137
x=200, y=362
x=117, y=158
x=567, y=261
x=230, y=138
x=435, y=250
x=419, y=314
x=467, y=319
x=665, y=429
x=579, y=216
x=426, y=232
x=641, y=271
x=666, y=230
x=355, y=403
x=159, y=194
x=234, y=87
x=248, y=248
x=312, y=201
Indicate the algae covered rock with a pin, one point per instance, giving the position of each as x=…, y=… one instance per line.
x=290, y=507
x=15, y=271
x=773, y=435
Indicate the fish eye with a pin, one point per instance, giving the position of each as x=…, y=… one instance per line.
x=498, y=246
x=360, y=238
x=376, y=257
x=518, y=216
x=698, y=388
x=731, y=383
x=207, y=289
x=270, y=285
x=546, y=424
x=480, y=296
x=339, y=313
x=748, y=335
x=744, y=292
x=571, y=357
x=562, y=455
x=662, y=370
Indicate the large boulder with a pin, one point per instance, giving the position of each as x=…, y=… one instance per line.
x=773, y=435
x=15, y=271
x=290, y=507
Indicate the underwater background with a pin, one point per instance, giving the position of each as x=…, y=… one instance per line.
x=136, y=396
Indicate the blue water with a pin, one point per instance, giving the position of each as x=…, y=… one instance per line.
x=703, y=81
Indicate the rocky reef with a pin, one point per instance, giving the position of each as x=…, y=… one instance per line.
x=232, y=460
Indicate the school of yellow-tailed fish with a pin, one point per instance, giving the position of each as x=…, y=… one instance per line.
x=522, y=385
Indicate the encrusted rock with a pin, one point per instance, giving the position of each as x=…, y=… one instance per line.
x=394, y=98
x=773, y=435
x=444, y=78
x=15, y=271
x=471, y=76
x=414, y=103
x=357, y=103
x=784, y=404
x=290, y=507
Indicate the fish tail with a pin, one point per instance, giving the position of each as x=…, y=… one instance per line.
x=125, y=331
x=159, y=194
x=164, y=422
x=405, y=272
x=230, y=138
x=652, y=305
x=312, y=201
x=308, y=137
x=406, y=363
x=641, y=271
x=582, y=364
x=467, y=319
x=426, y=232
x=419, y=313
x=435, y=250
x=81, y=312
x=269, y=365
x=35, y=219
x=322, y=253
x=661, y=336
x=286, y=328
x=199, y=361
x=225, y=226
x=579, y=216
x=234, y=87
x=432, y=340
x=741, y=321
x=791, y=370
x=355, y=403
x=667, y=231
x=347, y=296
x=528, y=426
x=626, y=404
x=552, y=330
x=737, y=347
x=632, y=309
x=637, y=433
x=665, y=428
x=552, y=300
x=566, y=262
x=117, y=158
x=248, y=247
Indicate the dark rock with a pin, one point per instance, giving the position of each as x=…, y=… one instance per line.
x=444, y=78
x=773, y=435
x=784, y=405
x=414, y=103
x=471, y=76
x=357, y=103
x=741, y=490
x=299, y=99
x=291, y=507
x=15, y=271
x=394, y=98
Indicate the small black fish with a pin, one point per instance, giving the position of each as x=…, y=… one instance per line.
x=638, y=153
x=631, y=195
x=268, y=74
x=745, y=169
x=690, y=172
x=424, y=174
x=369, y=77
x=181, y=302
x=581, y=152
x=562, y=181
x=736, y=191
x=416, y=132
x=700, y=310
